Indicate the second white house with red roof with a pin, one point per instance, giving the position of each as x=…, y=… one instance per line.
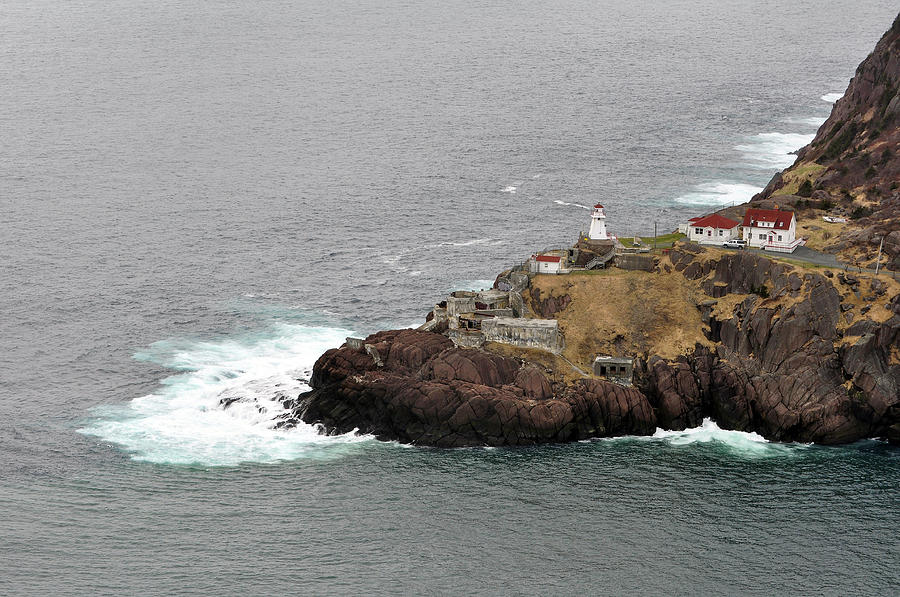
x=771, y=229
x=712, y=229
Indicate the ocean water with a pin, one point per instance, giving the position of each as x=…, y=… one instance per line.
x=199, y=198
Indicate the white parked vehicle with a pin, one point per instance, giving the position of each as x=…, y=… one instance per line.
x=735, y=243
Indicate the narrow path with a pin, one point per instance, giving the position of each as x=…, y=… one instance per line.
x=575, y=367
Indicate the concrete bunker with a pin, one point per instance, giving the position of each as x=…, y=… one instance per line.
x=619, y=369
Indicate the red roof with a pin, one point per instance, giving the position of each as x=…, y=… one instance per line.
x=549, y=258
x=714, y=221
x=781, y=219
x=598, y=206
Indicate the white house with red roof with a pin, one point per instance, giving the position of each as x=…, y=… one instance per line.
x=771, y=229
x=683, y=228
x=712, y=229
x=547, y=264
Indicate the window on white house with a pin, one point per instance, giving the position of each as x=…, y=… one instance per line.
x=762, y=237
x=721, y=233
x=698, y=230
x=779, y=237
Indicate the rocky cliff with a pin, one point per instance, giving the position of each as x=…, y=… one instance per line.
x=792, y=354
x=758, y=345
x=429, y=393
x=852, y=166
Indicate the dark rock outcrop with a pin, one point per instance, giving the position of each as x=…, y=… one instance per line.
x=549, y=306
x=428, y=393
x=781, y=370
x=779, y=366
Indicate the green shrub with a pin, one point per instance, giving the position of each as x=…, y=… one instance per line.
x=860, y=212
x=761, y=291
x=841, y=142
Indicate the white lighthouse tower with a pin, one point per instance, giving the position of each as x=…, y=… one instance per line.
x=598, y=224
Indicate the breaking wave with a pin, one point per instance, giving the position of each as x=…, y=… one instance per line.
x=832, y=97
x=710, y=435
x=220, y=405
x=719, y=194
x=815, y=121
x=773, y=150
x=738, y=441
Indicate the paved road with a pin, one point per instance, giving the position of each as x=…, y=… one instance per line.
x=816, y=258
x=808, y=255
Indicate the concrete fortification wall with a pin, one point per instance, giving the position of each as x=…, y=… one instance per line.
x=527, y=333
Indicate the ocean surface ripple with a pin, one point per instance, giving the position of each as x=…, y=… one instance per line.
x=200, y=198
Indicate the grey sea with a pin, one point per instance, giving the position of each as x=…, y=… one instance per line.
x=198, y=198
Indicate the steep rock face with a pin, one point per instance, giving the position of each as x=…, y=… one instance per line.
x=777, y=366
x=777, y=370
x=548, y=306
x=853, y=162
x=428, y=393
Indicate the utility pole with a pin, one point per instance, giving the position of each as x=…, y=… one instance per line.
x=878, y=259
x=654, y=236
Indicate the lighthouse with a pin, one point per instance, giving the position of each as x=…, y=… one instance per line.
x=598, y=224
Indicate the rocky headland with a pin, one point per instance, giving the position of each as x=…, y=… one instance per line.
x=793, y=352
x=795, y=355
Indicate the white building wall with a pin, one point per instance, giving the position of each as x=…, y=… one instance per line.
x=758, y=236
x=714, y=235
x=548, y=267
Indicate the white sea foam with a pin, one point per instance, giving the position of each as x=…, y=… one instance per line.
x=815, y=121
x=832, y=97
x=773, y=150
x=741, y=443
x=719, y=194
x=510, y=189
x=183, y=422
x=558, y=202
x=744, y=443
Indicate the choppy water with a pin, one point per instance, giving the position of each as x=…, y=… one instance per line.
x=199, y=199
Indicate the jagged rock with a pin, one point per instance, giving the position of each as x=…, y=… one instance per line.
x=549, y=306
x=452, y=397
x=852, y=145
x=774, y=369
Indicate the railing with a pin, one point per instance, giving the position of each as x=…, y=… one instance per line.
x=599, y=260
x=784, y=247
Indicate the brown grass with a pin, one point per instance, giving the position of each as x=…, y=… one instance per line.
x=794, y=177
x=626, y=313
x=825, y=234
x=556, y=368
